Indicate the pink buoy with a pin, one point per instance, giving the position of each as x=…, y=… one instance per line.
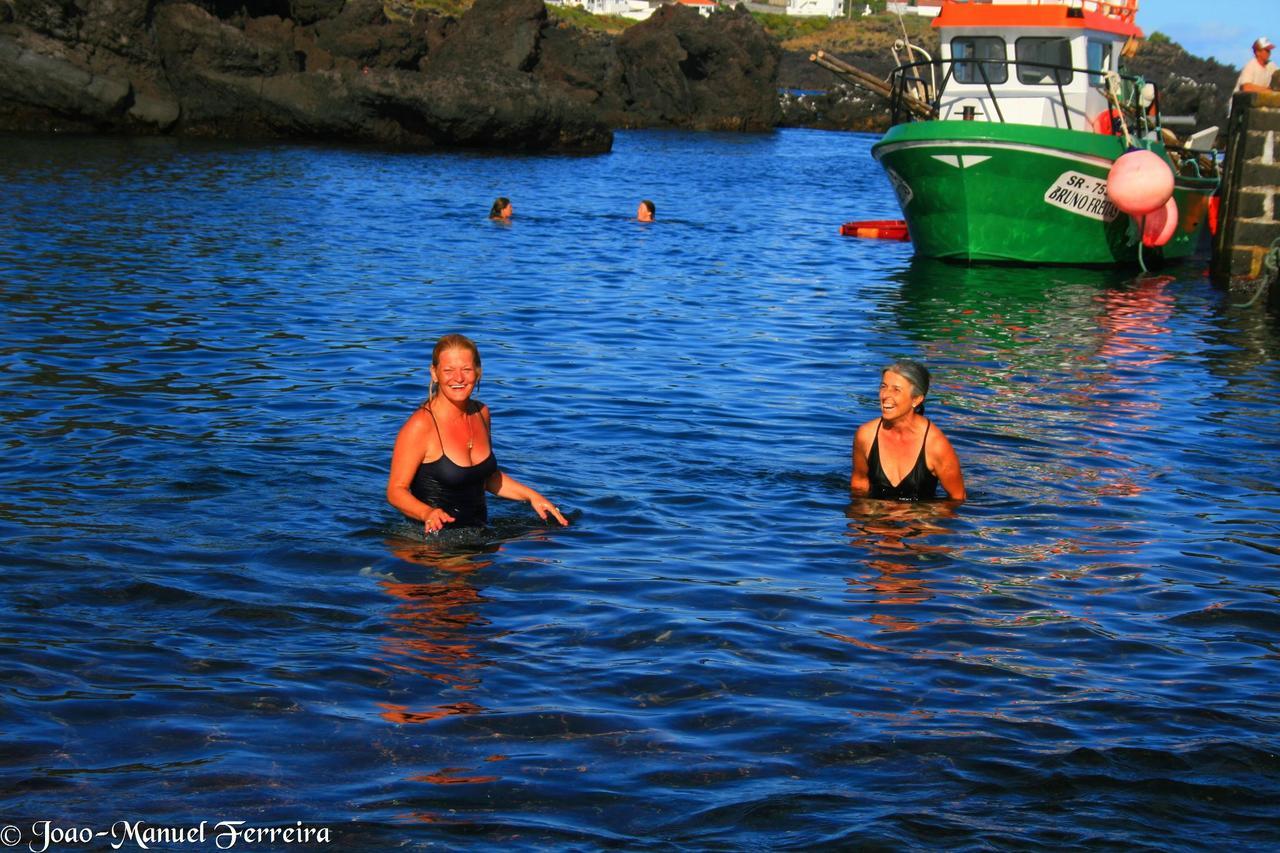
x=1140, y=182
x=1158, y=227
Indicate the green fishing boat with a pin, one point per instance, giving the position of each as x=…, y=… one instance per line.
x=1002, y=147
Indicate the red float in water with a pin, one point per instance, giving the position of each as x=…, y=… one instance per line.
x=1158, y=227
x=881, y=229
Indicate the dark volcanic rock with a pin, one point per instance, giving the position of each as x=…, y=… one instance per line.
x=302, y=68
x=678, y=68
x=493, y=34
x=581, y=63
x=503, y=75
x=1188, y=85
x=840, y=107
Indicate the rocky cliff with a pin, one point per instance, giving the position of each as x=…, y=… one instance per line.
x=503, y=75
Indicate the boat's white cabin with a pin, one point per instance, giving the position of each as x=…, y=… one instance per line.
x=1045, y=77
x=1040, y=62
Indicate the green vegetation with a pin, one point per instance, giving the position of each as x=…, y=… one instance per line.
x=402, y=8
x=783, y=27
x=578, y=17
x=1158, y=37
x=574, y=16
x=872, y=33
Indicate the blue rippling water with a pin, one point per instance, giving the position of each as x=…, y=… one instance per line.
x=209, y=613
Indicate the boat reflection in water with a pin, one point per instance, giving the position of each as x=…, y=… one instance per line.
x=1078, y=349
x=1049, y=384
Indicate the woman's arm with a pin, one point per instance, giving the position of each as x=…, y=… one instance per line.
x=941, y=458
x=411, y=447
x=506, y=486
x=860, y=479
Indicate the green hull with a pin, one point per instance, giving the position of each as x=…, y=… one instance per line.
x=983, y=191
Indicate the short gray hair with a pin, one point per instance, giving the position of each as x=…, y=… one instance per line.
x=915, y=373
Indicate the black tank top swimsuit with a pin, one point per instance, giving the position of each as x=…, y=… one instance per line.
x=919, y=484
x=457, y=489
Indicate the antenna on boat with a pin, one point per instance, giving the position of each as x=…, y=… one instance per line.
x=922, y=90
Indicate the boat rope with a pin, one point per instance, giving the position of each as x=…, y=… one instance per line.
x=1113, y=84
x=1271, y=273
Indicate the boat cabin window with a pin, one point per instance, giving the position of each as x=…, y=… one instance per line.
x=1044, y=61
x=1099, y=59
x=979, y=47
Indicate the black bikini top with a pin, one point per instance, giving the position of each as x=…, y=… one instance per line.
x=919, y=483
x=457, y=489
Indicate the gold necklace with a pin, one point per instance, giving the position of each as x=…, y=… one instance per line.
x=466, y=419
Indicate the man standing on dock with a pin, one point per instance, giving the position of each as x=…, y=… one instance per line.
x=1257, y=73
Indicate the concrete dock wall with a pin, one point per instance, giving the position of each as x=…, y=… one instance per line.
x=1249, y=215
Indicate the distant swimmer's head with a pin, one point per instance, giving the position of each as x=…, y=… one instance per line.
x=916, y=375
x=455, y=366
x=501, y=208
x=646, y=211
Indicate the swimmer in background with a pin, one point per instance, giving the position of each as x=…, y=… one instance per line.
x=901, y=455
x=645, y=212
x=501, y=208
x=443, y=460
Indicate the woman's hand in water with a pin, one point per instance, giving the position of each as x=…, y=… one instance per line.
x=544, y=507
x=435, y=521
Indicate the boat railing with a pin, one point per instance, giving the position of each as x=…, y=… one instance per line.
x=914, y=77
x=1130, y=104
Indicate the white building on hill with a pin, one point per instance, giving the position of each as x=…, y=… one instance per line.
x=635, y=9
x=924, y=8
x=800, y=8
x=814, y=8
x=640, y=9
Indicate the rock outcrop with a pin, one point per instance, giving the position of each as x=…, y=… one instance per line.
x=504, y=75
x=678, y=68
x=324, y=69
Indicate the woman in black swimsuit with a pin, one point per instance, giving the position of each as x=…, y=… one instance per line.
x=443, y=460
x=901, y=455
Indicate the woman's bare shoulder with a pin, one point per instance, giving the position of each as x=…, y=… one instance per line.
x=865, y=432
x=418, y=423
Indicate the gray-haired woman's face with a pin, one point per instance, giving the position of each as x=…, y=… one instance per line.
x=897, y=395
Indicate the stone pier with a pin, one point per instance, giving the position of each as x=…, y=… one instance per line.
x=1249, y=214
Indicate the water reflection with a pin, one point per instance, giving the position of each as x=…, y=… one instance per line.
x=434, y=629
x=1134, y=321
x=891, y=537
x=1049, y=375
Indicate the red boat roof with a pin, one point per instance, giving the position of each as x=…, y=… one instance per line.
x=1113, y=17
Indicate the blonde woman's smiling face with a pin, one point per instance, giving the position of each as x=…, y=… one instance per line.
x=456, y=374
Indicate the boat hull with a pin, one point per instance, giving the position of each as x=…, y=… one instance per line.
x=1007, y=193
